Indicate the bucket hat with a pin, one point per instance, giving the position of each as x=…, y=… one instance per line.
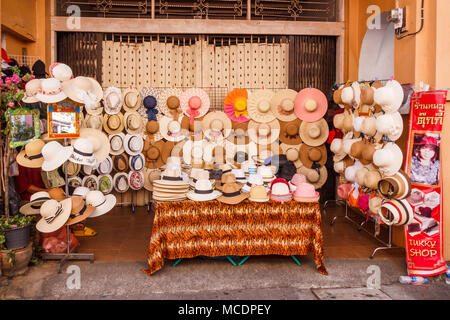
x=306, y=192
x=113, y=123
x=120, y=162
x=314, y=133
x=31, y=155
x=264, y=133
x=235, y=105
x=290, y=132
x=84, y=90
x=55, y=155
x=113, y=100
x=32, y=87
x=169, y=103
x=34, y=205
x=203, y=191
x=258, y=106
x=136, y=180
x=51, y=91
x=280, y=191
x=117, y=143
x=120, y=182
x=102, y=203
x=310, y=105
x=131, y=99
x=80, y=211
x=296, y=180
x=194, y=103
x=105, y=183
x=54, y=215
x=282, y=105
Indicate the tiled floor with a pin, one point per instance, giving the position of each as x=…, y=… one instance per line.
x=124, y=236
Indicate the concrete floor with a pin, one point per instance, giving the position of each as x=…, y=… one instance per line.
x=120, y=249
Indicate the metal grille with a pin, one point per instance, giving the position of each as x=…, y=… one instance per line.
x=301, y=10
x=24, y=60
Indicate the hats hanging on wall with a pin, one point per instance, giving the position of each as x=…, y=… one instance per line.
x=216, y=125
x=131, y=99
x=84, y=90
x=310, y=105
x=116, y=143
x=290, y=132
x=258, y=106
x=137, y=162
x=93, y=122
x=112, y=100
x=282, y=105
x=390, y=97
x=194, y=103
x=136, y=180
x=156, y=156
x=120, y=182
x=313, y=156
x=235, y=105
x=90, y=182
x=120, y=162
x=150, y=175
x=264, y=132
x=106, y=166
x=315, y=177
x=171, y=130
x=169, y=103
x=105, y=183
x=150, y=103
x=133, y=144
x=113, y=123
x=314, y=133
x=133, y=122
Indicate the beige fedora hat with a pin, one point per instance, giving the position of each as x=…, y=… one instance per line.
x=258, y=106
x=34, y=206
x=31, y=155
x=314, y=133
x=116, y=143
x=94, y=121
x=113, y=123
x=150, y=175
x=113, y=100
x=131, y=99
x=282, y=105
x=133, y=122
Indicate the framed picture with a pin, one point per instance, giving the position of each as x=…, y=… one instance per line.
x=24, y=126
x=63, y=120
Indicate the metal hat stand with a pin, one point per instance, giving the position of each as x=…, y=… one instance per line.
x=69, y=255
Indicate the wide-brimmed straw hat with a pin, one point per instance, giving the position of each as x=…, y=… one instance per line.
x=133, y=122
x=54, y=215
x=239, y=133
x=231, y=194
x=315, y=177
x=32, y=87
x=131, y=99
x=203, y=191
x=169, y=103
x=84, y=90
x=290, y=132
x=171, y=129
x=34, y=206
x=194, y=103
x=120, y=182
x=313, y=156
x=282, y=105
x=136, y=180
x=105, y=183
x=235, y=105
x=264, y=133
x=80, y=210
x=51, y=91
x=337, y=147
x=156, y=155
x=60, y=71
x=314, y=133
x=216, y=125
x=113, y=100
x=292, y=153
x=258, y=105
x=31, y=155
x=389, y=159
x=55, y=155
x=113, y=123
x=102, y=203
x=99, y=140
x=310, y=105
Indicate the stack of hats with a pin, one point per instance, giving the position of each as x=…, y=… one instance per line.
x=172, y=186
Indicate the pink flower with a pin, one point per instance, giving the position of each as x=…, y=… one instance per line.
x=14, y=226
x=15, y=78
x=11, y=104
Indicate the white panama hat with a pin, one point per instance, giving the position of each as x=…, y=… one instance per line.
x=102, y=203
x=203, y=191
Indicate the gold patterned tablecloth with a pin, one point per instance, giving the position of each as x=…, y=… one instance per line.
x=188, y=229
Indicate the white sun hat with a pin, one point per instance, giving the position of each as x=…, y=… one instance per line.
x=171, y=129
x=390, y=125
x=81, y=192
x=352, y=95
x=102, y=203
x=55, y=155
x=390, y=97
x=51, y=91
x=83, y=152
x=61, y=71
x=389, y=159
x=253, y=179
x=84, y=90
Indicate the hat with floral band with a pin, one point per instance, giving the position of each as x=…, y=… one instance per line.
x=171, y=130
x=54, y=215
x=113, y=100
x=120, y=182
x=90, y=182
x=235, y=105
x=84, y=90
x=131, y=99
x=310, y=105
x=105, y=183
x=314, y=133
x=51, y=91
x=169, y=103
x=194, y=103
x=113, y=123
x=290, y=132
x=133, y=122
x=32, y=87
x=116, y=142
x=258, y=106
x=282, y=105
x=136, y=180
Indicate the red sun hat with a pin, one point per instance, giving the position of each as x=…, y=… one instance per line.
x=428, y=140
x=5, y=56
x=310, y=105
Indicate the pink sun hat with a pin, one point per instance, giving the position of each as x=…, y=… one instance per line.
x=306, y=192
x=310, y=105
x=296, y=180
x=194, y=103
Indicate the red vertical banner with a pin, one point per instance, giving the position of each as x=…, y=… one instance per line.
x=424, y=238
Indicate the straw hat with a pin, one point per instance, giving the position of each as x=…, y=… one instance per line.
x=120, y=162
x=31, y=155
x=32, y=87
x=337, y=147
x=390, y=125
x=90, y=182
x=390, y=97
x=235, y=105
x=133, y=122
x=360, y=175
x=314, y=177
x=120, y=182
x=310, y=105
x=389, y=159
x=397, y=186
x=280, y=191
x=313, y=155
x=34, y=206
x=337, y=96
x=216, y=125
x=83, y=152
x=306, y=192
x=347, y=124
x=80, y=211
x=338, y=121
x=231, y=194
x=400, y=212
x=171, y=130
x=169, y=103
x=292, y=153
x=282, y=105
x=54, y=215
x=258, y=193
x=93, y=121
x=99, y=140
x=151, y=175
x=152, y=132
x=84, y=90
x=203, y=191
x=194, y=103
x=116, y=143
x=105, y=183
x=136, y=180
x=131, y=99
x=51, y=91
x=258, y=106
x=290, y=132
x=102, y=203
x=264, y=132
x=371, y=179
x=113, y=100
x=352, y=95
x=314, y=133
x=113, y=123
x=156, y=156
x=342, y=165
x=55, y=155
x=369, y=126
x=133, y=144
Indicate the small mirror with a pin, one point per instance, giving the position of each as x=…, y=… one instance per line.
x=24, y=126
x=63, y=120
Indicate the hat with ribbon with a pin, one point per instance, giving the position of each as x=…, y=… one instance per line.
x=133, y=144
x=306, y=192
x=120, y=162
x=113, y=100
x=117, y=143
x=137, y=162
x=264, y=133
x=171, y=129
x=120, y=182
x=235, y=105
x=102, y=203
x=216, y=125
x=31, y=155
x=313, y=157
x=32, y=87
x=258, y=106
x=282, y=105
x=314, y=133
x=79, y=211
x=310, y=105
x=34, y=206
x=54, y=215
x=203, y=191
x=136, y=180
x=231, y=191
x=51, y=91
x=253, y=179
x=290, y=132
x=105, y=183
x=131, y=99
x=113, y=123
x=194, y=103
x=133, y=122
x=169, y=103
x=84, y=90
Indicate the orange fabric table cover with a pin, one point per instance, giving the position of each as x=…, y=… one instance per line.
x=189, y=229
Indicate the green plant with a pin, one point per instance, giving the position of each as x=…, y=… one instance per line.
x=14, y=222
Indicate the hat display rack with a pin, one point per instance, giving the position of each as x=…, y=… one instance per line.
x=366, y=157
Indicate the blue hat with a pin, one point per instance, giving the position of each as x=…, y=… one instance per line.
x=150, y=102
